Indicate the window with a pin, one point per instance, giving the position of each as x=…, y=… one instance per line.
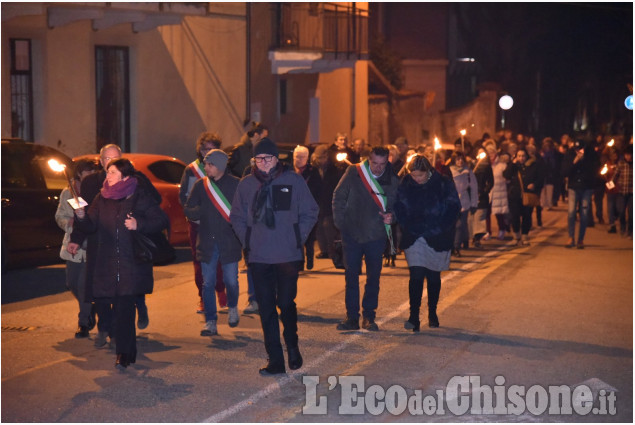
x=168, y=171
x=283, y=97
x=21, y=90
x=112, y=96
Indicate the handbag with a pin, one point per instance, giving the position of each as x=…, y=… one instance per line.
x=152, y=248
x=529, y=199
x=143, y=248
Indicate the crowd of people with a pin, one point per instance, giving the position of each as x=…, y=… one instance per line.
x=357, y=202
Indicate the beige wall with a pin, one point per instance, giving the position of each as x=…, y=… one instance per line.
x=183, y=80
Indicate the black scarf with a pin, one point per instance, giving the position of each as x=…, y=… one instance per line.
x=263, y=201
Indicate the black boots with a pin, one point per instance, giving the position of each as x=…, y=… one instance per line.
x=124, y=360
x=294, y=357
x=433, y=320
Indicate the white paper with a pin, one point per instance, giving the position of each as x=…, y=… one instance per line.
x=74, y=204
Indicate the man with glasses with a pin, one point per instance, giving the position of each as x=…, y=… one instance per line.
x=362, y=211
x=272, y=214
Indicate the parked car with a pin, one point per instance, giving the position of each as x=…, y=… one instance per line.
x=30, y=195
x=165, y=174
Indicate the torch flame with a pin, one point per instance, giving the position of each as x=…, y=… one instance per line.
x=463, y=132
x=437, y=144
x=411, y=157
x=481, y=155
x=605, y=169
x=341, y=156
x=56, y=165
x=611, y=143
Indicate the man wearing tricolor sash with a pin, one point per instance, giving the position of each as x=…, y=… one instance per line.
x=192, y=173
x=210, y=204
x=362, y=210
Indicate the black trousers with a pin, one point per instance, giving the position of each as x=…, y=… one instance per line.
x=415, y=289
x=276, y=285
x=124, y=324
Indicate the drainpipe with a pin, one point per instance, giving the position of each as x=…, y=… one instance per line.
x=248, y=65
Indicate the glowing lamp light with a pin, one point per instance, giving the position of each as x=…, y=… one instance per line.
x=611, y=143
x=506, y=102
x=628, y=102
x=56, y=166
x=463, y=132
x=605, y=169
x=481, y=155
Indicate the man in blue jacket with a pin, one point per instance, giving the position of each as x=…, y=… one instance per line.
x=272, y=213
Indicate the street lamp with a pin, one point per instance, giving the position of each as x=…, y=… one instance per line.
x=505, y=102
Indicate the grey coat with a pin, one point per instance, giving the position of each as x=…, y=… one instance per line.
x=295, y=213
x=214, y=229
x=355, y=212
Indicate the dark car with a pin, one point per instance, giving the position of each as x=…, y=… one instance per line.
x=30, y=195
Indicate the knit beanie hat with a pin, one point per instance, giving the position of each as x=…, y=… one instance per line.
x=266, y=146
x=217, y=158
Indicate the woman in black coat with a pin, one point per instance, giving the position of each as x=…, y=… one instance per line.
x=121, y=208
x=427, y=209
x=524, y=169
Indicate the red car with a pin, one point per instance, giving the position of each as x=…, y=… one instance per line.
x=165, y=174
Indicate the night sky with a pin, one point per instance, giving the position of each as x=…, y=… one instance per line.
x=582, y=54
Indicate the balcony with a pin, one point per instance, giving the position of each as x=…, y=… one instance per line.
x=318, y=37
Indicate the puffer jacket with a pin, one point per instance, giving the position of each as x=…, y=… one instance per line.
x=116, y=272
x=498, y=195
x=466, y=186
x=429, y=210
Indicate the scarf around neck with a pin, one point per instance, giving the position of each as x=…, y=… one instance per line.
x=120, y=190
x=263, y=204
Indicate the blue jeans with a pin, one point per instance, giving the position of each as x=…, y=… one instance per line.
x=353, y=253
x=230, y=277
x=579, y=198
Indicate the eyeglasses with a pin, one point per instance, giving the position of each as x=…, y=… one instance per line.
x=266, y=159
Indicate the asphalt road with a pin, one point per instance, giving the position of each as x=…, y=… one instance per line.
x=544, y=332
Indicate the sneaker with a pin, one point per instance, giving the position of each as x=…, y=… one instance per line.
x=101, y=339
x=348, y=325
x=570, y=243
x=369, y=325
x=613, y=229
x=210, y=328
x=580, y=245
x=525, y=240
x=501, y=235
x=486, y=237
x=200, y=309
x=233, y=317
x=252, y=308
x=222, y=299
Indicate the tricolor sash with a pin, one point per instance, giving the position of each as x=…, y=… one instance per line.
x=376, y=192
x=198, y=169
x=218, y=199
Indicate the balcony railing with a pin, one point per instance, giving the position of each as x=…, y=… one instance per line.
x=338, y=30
